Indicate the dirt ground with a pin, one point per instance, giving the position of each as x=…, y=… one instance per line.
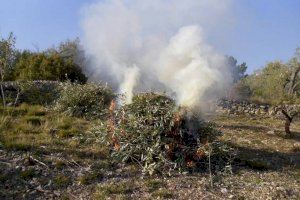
x=39, y=162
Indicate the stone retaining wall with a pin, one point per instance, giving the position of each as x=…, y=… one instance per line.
x=247, y=108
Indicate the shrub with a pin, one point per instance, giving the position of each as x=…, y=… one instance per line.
x=39, y=92
x=47, y=66
x=158, y=135
x=88, y=100
x=31, y=92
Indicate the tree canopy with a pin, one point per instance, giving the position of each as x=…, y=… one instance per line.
x=65, y=62
x=277, y=82
x=43, y=66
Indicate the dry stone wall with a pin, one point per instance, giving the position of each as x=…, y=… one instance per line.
x=246, y=108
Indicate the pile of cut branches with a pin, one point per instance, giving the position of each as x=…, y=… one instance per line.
x=158, y=135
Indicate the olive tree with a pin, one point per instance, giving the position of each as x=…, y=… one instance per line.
x=268, y=84
x=278, y=84
x=292, y=88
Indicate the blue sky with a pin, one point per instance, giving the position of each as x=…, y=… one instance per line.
x=264, y=30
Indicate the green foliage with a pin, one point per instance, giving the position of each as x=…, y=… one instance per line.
x=43, y=66
x=30, y=92
x=62, y=63
x=152, y=132
x=88, y=100
x=276, y=83
x=71, y=50
x=268, y=85
x=7, y=56
x=293, y=85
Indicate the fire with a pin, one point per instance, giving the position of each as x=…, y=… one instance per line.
x=111, y=126
x=117, y=147
x=190, y=163
x=112, y=106
x=177, y=118
x=200, y=153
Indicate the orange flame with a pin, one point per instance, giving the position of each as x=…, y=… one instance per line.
x=177, y=118
x=112, y=106
x=200, y=153
x=190, y=163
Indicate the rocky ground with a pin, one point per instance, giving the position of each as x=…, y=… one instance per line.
x=45, y=156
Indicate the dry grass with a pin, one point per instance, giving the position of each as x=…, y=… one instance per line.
x=119, y=190
x=258, y=132
x=32, y=127
x=266, y=165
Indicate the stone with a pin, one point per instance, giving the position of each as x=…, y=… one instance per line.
x=271, y=112
x=297, y=145
x=224, y=190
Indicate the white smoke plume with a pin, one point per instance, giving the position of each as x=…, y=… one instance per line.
x=189, y=67
x=157, y=45
x=131, y=77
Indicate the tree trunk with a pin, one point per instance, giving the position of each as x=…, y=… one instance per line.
x=17, y=97
x=288, y=121
x=1, y=87
x=287, y=127
x=2, y=94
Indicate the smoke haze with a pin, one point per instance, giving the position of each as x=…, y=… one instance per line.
x=157, y=45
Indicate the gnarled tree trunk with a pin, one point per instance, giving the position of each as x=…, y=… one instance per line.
x=288, y=121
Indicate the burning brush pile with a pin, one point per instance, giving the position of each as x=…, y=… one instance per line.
x=160, y=136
